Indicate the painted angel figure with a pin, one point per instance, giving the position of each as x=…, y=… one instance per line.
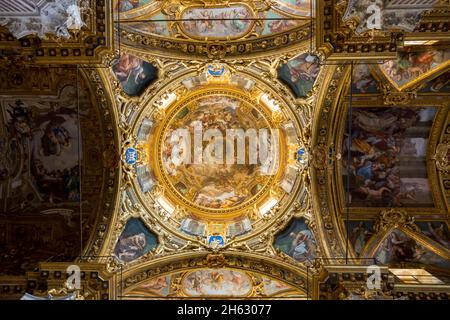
x=74, y=20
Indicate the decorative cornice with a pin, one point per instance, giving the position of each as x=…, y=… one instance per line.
x=442, y=157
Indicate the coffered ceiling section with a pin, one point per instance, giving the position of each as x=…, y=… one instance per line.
x=63, y=31
x=367, y=29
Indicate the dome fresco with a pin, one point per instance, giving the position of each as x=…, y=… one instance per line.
x=218, y=163
x=214, y=186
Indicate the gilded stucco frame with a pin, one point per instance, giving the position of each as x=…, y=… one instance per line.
x=330, y=195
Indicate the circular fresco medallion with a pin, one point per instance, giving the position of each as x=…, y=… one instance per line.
x=218, y=153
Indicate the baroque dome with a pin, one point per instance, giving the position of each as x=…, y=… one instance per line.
x=199, y=160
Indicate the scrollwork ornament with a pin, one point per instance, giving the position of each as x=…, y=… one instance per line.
x=392, y=97
x=442, y=157
x=394, y=218
x=128, y=140
x=306, y=109
x=257, y=286
x=169, y=246
x=215, y=260
x=320, y=157
x=58, y=292
x=216, y=51
x=114, y=265
x=108, y=58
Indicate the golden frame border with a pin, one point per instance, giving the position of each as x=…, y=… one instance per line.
x=201, y=212
x=153, y=219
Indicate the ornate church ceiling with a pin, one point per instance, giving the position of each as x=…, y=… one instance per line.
x=226, y=28
x=116, y=155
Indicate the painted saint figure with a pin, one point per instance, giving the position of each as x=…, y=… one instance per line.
x=135, y=241
x=300, y=73
x=302, y=245
x=131, y=247
x=133, y=73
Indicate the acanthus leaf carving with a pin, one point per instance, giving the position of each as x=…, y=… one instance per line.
x=442, y=157
x=394, y=218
